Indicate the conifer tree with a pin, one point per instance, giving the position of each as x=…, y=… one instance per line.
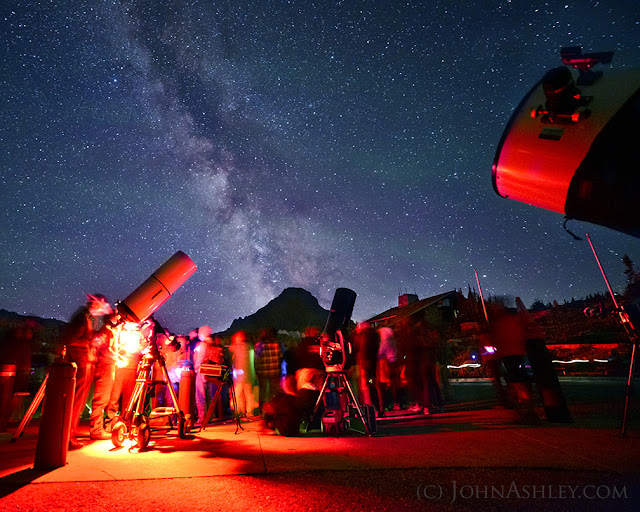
x=632, y=290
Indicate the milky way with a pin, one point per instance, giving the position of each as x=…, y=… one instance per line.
x=308, y=144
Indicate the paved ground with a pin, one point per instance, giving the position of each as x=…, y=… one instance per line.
x=473, y=456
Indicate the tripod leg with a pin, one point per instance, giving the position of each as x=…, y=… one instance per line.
x=234, y=400
x=628, y=390
x=212, y=405
x=365, y=420
x=31, y=410
x=136, y=405
x=133, y=401
x=315, y=408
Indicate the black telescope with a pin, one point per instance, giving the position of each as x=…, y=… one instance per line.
x=335, y=350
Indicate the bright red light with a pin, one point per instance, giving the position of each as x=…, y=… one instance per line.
x=129, y=340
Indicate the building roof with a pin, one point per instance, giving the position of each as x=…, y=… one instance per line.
x=391, y=316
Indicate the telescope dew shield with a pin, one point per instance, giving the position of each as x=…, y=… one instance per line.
x=156, y=290
x=575, y=149
x=341, y=309
x=335, y=351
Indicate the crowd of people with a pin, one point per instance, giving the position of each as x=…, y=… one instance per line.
x=402, y=362
x=107, y=354
x=279, y=379
x=393, y=368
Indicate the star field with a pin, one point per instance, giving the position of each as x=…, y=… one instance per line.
x=315, y=144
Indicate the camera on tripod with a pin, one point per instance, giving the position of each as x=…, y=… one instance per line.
x=221, y=375
x=213, y=370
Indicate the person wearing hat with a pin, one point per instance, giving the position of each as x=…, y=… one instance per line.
x=78, y=338
x=104, y=371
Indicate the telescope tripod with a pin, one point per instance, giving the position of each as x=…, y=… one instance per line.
x=625, y=321
x=35, y=403
x=134, y=423
x=627, y=394
x=341, y=383
x=226, y=380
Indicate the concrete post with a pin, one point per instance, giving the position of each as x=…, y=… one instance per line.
x=55, y=424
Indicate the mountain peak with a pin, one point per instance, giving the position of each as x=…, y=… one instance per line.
x=294, y=309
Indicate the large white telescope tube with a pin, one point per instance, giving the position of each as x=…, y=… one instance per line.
x=155, y=291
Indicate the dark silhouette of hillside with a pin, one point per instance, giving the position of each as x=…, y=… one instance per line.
x=293, y=310
x=31, y=343
x=9, y=317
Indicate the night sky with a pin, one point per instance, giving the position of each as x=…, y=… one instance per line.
x=314, y=144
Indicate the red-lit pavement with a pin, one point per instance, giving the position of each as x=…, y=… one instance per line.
x=451, y=461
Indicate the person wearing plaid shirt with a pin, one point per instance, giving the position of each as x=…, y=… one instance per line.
x=267, y=364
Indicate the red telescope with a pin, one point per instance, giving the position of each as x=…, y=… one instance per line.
x=572, y=144
x=155, y=291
